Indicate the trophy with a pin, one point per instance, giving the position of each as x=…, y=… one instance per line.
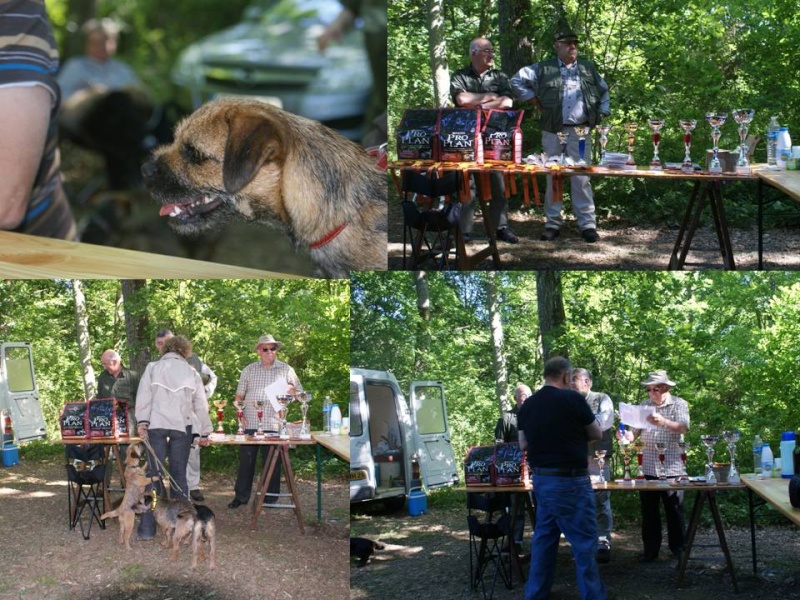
x=630, y=129
x=582, y=131
x=603, y=131
x=600, y=457
x=220, y=404
x=661, y=448
x=716, y=120
x=562, y=139
x=688, y=126
x=639, y=445
x=305, y=400
x=260, y=415
x=239, y=416
x=655, y=125
x=731, y=436
x=743, y=116
x=683, y=446
x=709, y=441
x=284, y=400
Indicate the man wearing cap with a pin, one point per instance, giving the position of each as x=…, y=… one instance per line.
x=479, y=85
x=670, y=421
x=253, y=381
x=569, y=92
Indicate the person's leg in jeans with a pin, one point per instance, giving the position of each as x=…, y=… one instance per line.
x=158, y=442
x=676, y=527
x=178, y=448
x=544, y=546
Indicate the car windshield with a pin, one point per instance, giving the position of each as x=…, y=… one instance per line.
x=305, y=12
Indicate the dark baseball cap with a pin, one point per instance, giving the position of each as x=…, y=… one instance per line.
x=566, y=34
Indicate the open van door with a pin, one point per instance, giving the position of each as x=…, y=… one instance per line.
x=18, y=392
x=429, y=416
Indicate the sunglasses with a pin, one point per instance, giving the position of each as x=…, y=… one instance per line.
x=653, y=389
x=269, y=349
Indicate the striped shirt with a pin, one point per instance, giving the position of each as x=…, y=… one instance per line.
x=673, y=409
x=253, y=381
x=29, y=57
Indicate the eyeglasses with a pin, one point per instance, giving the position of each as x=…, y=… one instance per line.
x=269, y=349
x=653, y=389
x=487, y=51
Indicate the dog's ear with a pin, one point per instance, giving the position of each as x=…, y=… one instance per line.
x=252, y=142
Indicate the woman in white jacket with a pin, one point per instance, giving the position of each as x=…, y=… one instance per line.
x=171, y=409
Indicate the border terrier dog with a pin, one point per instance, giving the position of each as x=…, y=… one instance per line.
x=246, y=158
x=205, y=532
x=176, y=518
x=132, y=500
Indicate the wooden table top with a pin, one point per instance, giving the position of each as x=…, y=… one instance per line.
x=776, y=492
x=632, y=486
x=27, y=256
x=338, y=444
x=786, y=181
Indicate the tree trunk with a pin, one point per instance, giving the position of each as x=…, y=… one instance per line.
x=84, y=345
x=438, y=47
x=423, y=295
x=515, y=24
x=136, y=322
x=550, y=302
x=498, y=348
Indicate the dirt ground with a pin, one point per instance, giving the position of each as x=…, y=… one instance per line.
x=428, y=557
x=40, y=558
x=622, y=245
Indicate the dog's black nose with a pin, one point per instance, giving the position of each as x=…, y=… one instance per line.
x=149, y=169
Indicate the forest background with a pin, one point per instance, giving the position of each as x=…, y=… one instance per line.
x=70, y=323
x=672, y=59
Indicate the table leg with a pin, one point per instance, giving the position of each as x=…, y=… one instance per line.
x=287, y=469
x=760, y=224
x=263, y=483
x=687, y=215
x=513, y=551
x=319, y=482
x=721, y=225
x=694, y=523
x=712, y=502
x=752, y=509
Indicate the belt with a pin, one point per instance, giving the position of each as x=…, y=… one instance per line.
x=552, y=472
x=574, y=124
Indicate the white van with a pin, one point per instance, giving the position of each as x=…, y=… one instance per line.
x=19, y=396
x=394, y=449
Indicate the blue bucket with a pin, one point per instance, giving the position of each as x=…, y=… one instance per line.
x=417, y=502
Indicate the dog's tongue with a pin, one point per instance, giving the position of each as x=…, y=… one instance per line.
x=168, y=208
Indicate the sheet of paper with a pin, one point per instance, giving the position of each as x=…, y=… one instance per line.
x=280, y=387
x=635, y=416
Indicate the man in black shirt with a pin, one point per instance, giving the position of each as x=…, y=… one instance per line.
x=479, y=85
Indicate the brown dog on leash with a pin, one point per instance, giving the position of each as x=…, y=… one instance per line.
x=247, y=158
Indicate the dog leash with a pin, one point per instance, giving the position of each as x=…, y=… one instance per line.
x=162, y=470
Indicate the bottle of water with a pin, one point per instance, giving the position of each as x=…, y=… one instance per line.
x=766, y=460
x=772, y=143
x=326, y=414
x=757, y=444
x=336, y=419
x=783, y=148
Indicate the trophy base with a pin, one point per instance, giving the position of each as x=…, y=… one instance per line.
x=743, y=170
x=655, y=167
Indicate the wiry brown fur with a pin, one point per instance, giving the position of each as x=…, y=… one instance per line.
x=205, y=532
x=135, y=482
x=263, y=164
x=176, y=519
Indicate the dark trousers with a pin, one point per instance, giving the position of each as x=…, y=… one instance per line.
x=651, y=520
x=247, y=469
x=171, y=447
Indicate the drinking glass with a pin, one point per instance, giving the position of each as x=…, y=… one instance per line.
x=600, y=457
x=260, y=415
x=630, y=129
x=743, y=116
x=582, y=131
x=603, y=131
x=656, y=125
x=562, y=139
x=709, y=441
x=284, y=400
x=305, y=400
x=716, y=120
x=731, y=436
x=688, y=126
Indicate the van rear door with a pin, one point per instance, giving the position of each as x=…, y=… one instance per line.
x=429, y=419
x=18, y=392
x=362, y=469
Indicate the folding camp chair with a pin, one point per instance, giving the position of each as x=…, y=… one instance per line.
x=86, y=471
x=436, y=224
x=487, y=539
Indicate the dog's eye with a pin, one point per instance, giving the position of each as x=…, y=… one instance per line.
x=193, y=155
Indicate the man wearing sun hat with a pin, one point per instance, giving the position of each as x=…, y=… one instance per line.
x=670, y=421
x=253, y=381
x=569, y=92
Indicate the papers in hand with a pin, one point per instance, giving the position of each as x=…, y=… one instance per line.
x=636, y=416
x=279, y=388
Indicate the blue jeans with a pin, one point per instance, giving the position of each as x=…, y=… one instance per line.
x=172, y=449
x=564, y=505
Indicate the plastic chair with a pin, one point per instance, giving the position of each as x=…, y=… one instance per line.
x=440, y=220
x=487, y=539
x=86, y=471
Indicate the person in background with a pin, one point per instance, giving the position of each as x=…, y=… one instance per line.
x=253, y=381
x=209, y=379
x=555, y=427
x=671, y=420
x=32, y=199
x=120, y=382
x=569, y=92
x=480, y=85
x=603, y=409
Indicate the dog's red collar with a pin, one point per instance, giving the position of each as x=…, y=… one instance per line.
x=328, y=237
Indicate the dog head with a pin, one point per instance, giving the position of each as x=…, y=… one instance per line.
x=226, y=159
x=135, y=454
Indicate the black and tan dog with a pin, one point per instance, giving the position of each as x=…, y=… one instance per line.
x=176, y=518
x=363, y=549
x=235, y=157
x=205, y=532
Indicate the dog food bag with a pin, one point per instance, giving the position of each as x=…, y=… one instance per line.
x=103, y=418
x=73, y=421
x=502, y=136
x=509, y=465
x=478, y=465
x=416, y=133
x=123, y=427
x=459, y=135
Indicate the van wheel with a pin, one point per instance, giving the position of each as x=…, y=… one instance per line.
x=394, y=504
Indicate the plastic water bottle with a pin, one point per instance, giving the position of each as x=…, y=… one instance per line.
x=784, y=148
x=326, y=414
x=787, y=452
x=757, y=444
x=766, y=460
x=336, y=419
x=772, y=143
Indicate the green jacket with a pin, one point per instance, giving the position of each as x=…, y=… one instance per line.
x=550, y=93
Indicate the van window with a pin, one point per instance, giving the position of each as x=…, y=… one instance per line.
x=356, y=428
x=429, y=412
x=20, y=374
